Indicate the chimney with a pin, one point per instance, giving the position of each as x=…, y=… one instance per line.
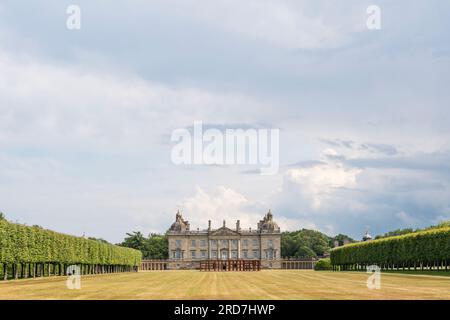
x=238, y=226
x=209, y=225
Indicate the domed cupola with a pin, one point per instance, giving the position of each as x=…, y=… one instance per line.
x=267, y=224
x=180, y=225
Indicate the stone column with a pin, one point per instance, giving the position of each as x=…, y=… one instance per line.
x=218, y=250
x=239, y=248
x=209, y=248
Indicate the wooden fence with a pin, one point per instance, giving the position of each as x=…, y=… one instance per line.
x=230, y=265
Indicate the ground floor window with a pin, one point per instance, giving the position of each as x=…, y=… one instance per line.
x=177, y=254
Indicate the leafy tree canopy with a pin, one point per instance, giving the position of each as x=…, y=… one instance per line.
x=304, y=243
x=155, y=246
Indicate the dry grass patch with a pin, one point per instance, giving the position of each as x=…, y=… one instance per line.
x=270, y=284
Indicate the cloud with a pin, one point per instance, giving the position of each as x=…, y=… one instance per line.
x=85, y=119
x=221, y=204
x=285, y=24
x=224, y=203
x=72, y=105
x=319, y=182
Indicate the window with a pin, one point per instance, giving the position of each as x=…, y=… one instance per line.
x=177, y=254
x=255, y=242
x=178, y=243
x=255, y=254
x=224, y=243
x=214, y=254
x=270, y=243
x=245, y=254
x=234, y=243
x=234, y=254
x=213, y=243
x=203, y=253
x=192, y=243
x=203, y=243
x=193, y=254
x=245, y=243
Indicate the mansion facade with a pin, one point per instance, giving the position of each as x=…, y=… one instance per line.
x=187, y=248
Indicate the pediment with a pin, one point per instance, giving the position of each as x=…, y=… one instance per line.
x=224, y=231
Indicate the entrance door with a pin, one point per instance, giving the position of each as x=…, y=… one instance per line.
x=224, y=254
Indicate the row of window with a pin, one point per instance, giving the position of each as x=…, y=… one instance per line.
x=269, y=254
x=224, y=243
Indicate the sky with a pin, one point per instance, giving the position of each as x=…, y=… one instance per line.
x=86, y=115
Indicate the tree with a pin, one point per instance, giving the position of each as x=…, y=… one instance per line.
x=153, y=247
x=135, y=240
x=341, y=239
x=304, y=244
x=305, y=252
x=2, y=216
x=157, y=247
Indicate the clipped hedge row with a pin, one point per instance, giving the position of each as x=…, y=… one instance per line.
x=23, y=245
x=425, y=249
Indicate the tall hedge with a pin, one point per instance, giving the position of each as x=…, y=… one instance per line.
x=23, y=244
x=429, y=248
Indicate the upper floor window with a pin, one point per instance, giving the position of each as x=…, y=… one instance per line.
x=245, y=243
x=193, y=254
x=203, y=243
x=178, y=243
x=193, y=244
x=255, y=242
x=270, y=243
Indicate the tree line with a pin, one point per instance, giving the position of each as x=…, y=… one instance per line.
x=33, y=251
x=429, y=249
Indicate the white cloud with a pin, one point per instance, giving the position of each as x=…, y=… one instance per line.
x=224, y=203
x=220, y=204
x=318, y=183
x=285, y=24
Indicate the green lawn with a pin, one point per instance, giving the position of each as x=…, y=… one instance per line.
x=270, y=284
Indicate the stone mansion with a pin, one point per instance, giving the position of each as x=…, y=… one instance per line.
x=187, y=247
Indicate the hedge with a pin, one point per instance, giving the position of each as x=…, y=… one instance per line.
x=426, y=249
x=33, y=251
x=323, y=264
